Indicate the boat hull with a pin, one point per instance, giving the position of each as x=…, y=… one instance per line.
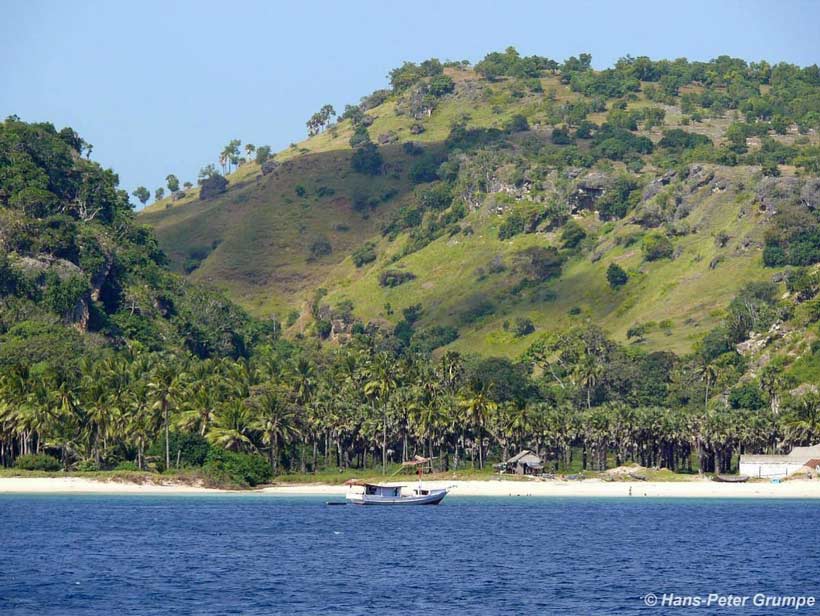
x=433, y=498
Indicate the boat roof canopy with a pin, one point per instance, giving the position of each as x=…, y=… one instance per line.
x=359, y=482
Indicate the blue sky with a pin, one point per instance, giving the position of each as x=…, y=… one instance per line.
x=159, y=87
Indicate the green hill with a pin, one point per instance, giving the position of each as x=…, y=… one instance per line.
x=627, y=261
x=507, y=191
x=79, y=277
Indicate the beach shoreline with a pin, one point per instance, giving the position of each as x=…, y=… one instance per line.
x=695, y=488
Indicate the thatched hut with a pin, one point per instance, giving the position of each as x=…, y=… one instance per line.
x=525, y=462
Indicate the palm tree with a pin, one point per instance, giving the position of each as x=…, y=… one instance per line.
x=803, y=422
x=273, y=420
x=380, y=384
x=589, y=372
x=708, y=373
x=232, y=427
x=200, y=408
x=303, y=385
x=478, y=408
x=165, y=389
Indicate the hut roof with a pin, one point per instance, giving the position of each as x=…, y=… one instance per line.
x=525, y=456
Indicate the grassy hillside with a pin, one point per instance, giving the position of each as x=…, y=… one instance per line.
x=266, y=239
x=689, y=292
x=261, y=240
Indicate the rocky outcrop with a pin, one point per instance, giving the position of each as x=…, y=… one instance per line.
x=45, y=264
x=810, y=194
x=656, y=185
x=42, y=264
x=269, y=166
x=388, y=137
x=588, y=190
x=772, y=192
x=212, y=186
x=698, y=176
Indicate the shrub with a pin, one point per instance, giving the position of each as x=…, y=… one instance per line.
x=61, y=296
x=616, y=276
x=320, y=247
x=189, y=448
x=323, y=328
x=367, y=160
x=523, y=327
x=440, y=85
x=517, y=124
x=37, y=462
x=572, y=235
x=656, y=246
x=126, y=465
x=437, y=196
x=425, y=169
x=427, y=340
x=87, y=466
x=393, y=278
x=540, y=263
x=242, y=468
x=585, y=129
x=364, y=254
x=677, y=139
x=561, y=136
x=512, y=225
x=479, y=308
x=360, y=137
x=746, y=396
x=619, y=199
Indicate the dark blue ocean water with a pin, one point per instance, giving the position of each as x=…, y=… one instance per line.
x=255, y=554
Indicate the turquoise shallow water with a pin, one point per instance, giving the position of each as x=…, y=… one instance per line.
x=254, y=554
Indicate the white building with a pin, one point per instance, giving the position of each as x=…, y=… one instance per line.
x=777, y=467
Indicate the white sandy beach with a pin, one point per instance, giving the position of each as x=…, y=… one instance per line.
x=588, y=488
x=62, y=485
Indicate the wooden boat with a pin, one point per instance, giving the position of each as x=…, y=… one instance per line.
x=363, y=493
x=730, y=478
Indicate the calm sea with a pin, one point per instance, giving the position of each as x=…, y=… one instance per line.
x=255, y=554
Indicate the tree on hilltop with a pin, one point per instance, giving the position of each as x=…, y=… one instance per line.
x=230, y=155
x=172, y=182
x=262, y=154
x=319, y=120
x=142, y=193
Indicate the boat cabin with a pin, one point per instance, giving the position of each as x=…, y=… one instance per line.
x=376, y=490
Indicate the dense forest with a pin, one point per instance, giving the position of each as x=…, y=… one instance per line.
x=108, y=360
